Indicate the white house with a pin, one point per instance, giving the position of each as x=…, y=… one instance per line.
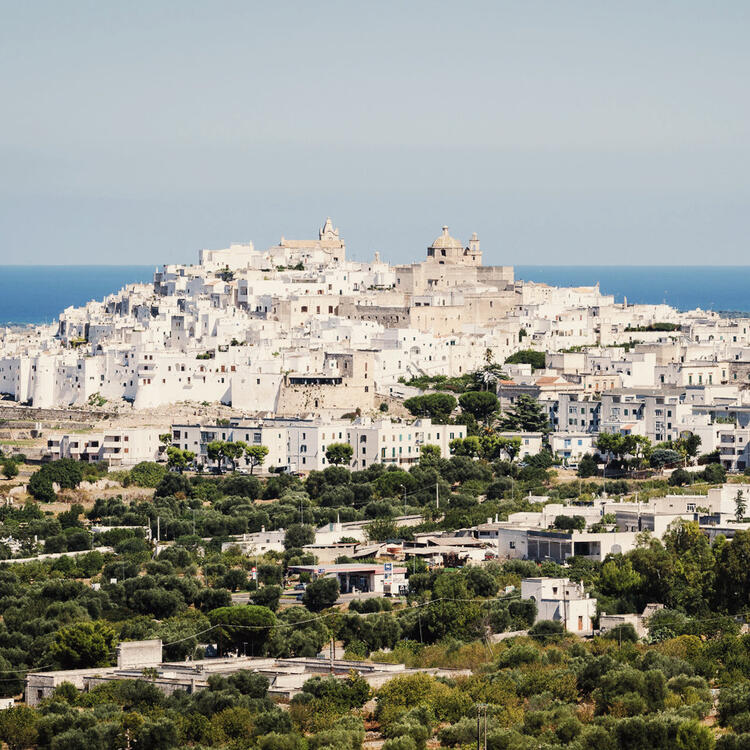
x=115, y=446
x=561, y=600
x=386, y=579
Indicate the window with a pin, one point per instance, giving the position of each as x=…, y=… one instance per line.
x=580, y=622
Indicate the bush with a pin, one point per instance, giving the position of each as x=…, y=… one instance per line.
x=40, y=488
x=570, y=523
x=680, y=477
x=298, y=535
x=173, y=484
x=527, y=357
x=147, y=474
x=624, y=633
x=714, y=474
x=321, y=594
x=267, y=596
x=437, y=406
x=547, y=631
x=587, y=467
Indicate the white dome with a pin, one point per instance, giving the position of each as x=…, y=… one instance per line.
x=445, y=241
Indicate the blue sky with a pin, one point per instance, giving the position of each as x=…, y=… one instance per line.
x=576, y=132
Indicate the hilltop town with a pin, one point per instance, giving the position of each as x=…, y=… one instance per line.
x=298, y=337
x=243, y=501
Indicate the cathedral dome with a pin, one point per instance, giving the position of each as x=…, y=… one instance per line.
x=445, y=241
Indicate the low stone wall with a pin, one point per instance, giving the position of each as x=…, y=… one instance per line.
x=50, y=415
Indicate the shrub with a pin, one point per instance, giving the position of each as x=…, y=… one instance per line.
x=147, y=474
x=321, y=594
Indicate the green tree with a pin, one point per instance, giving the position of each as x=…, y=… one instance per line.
x=429, y=455
x=18, y=727
x=256, y=455
x=691, y=443
x=298, y=535
x=321, y=593
x=527, y=357
x=693, y=579
x=740, y=506
x=299, y=635
x=40, y=487
x=587, y=467
x=617, y=578
x=83, y=645
x=232, y=451
x=10, y=469
x=469, y=446
x=715, y=474
x=381, y=530
x=173, y=484
x=733, y=573
x=179, y=459
x=267, y=596
x=526, y=415
x=570, y=523
x=692, y=735
x=679, y=477
x=437, y=406
x=661, y=457
x=214, y=452
x=246, y=628
x=339, y=454
x=510, y=446
x=453, y=611
x=482, y=404
x=146, y=474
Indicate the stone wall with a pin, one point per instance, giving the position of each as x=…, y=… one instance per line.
x=29, y=413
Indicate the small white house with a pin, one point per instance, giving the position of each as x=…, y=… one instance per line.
x=561, y=600
x=571, y=446
x=257, y=543
x=384, y=579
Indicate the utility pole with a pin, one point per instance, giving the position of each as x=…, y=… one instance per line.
x=158, y=530
x=481, y=726
x=437, y=495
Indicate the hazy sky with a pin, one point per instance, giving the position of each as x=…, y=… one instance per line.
x=561, y=132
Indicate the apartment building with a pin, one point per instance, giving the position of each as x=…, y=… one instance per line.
x=115, y=447
x=299, y=445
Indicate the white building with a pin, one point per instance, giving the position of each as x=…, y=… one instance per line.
x=387, y=579
x=115, y=446
x=299, y=445
x=561, y=600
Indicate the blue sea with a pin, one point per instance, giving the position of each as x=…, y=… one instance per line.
x=37, y=294
x=720, y=288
